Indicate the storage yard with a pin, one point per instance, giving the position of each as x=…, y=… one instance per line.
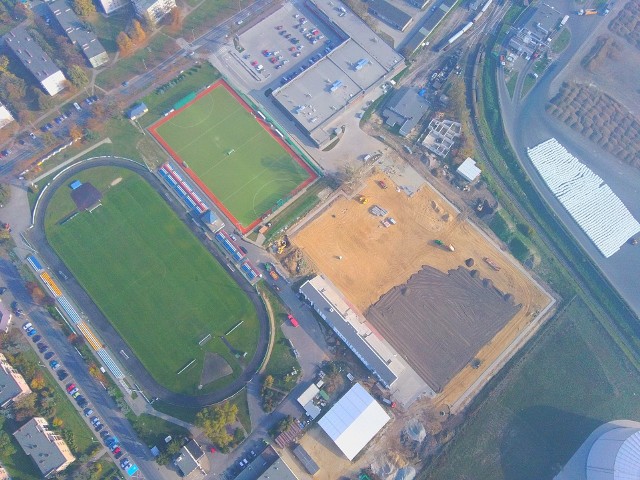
x=365, y=259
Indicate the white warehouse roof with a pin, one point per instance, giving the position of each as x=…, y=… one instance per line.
x=590, y=201
x=354, y=420
x=615, y=456
x=468, y=170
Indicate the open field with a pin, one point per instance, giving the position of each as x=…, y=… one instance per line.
x=375, y=259
x=166, y=292
x=232, y=156
x=573, y=379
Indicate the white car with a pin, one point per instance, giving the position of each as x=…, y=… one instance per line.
x=27, y=326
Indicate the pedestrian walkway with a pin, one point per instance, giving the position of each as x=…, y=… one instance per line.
x=71, y=160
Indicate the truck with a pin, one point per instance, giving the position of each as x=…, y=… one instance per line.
x=293, y=320
x=440, y=243
x=272, y=271
x=588, y=11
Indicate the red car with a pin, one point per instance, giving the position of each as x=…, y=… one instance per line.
x=71, y=386
x=117, y=450
x=254, y=63
x=381, y=184
x=293, y=320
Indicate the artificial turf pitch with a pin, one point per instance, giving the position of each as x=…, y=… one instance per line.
x=232, y=155
x=154, y=281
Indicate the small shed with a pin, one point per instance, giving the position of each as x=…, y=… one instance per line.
x=75, y=184
x=468, y=170
x=137, y=111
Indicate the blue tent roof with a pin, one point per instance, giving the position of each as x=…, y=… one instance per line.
x=209, y=217
x=75, y=184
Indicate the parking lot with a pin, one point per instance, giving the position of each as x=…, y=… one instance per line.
x=286, y=43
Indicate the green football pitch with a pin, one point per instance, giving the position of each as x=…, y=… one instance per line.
x=231, y=156
x=151, y=277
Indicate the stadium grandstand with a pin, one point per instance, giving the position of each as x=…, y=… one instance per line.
x=229, y=245
x=182, y=188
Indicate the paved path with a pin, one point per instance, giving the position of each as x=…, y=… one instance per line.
x=72, y=159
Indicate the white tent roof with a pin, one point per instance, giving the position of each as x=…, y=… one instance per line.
x=354, y=420
x=469, y=170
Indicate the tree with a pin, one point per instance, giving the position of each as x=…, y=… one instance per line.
x=125, y=45
x=25, y=407
x=137, y=32
x=77, y=76
x=174, y=446
x=6, y=446
x=38, y=382
x=57, y=422
x=45, y=101
x=4, y=63
x=84, y=8
x=75, y=132
x=214, y=421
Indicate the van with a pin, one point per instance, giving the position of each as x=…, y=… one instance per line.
x=77, y=107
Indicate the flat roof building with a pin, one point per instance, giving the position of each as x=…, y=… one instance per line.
x=352, y=330
x=76, y=31
x=319, y=95
x=405, y=109
x=390, y=14
x=110, y=6
x=468, y=170
x=354, y=420
x=137, y=111
x=431, y=20
x=305, y=459
x=48, y=450
x=34, y=59
x=12, y=384
x=5, y=116
x=153, y=9
x=268, y=465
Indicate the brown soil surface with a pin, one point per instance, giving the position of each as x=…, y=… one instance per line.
x=365, y=260
x=440, y=321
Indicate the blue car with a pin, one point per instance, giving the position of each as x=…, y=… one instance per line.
x=54, y=364
x=32, y=332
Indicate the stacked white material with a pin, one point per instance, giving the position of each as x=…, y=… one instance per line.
x=597, y=210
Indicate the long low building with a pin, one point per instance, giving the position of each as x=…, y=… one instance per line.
x=319, y=95
x=430, y=22
x=390, y=14
x=352, y=330
x=32, y=56
x=78, y=34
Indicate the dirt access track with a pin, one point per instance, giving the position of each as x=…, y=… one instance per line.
x=365, y=260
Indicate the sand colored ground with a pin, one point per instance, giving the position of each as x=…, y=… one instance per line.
x=375, y=258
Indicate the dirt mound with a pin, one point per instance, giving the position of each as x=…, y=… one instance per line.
x=297, y=263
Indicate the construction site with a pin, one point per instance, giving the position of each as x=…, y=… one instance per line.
x=382, y=237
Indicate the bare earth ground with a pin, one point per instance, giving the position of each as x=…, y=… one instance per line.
x=375, y=259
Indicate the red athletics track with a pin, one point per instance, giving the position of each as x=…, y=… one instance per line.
x=221, y=83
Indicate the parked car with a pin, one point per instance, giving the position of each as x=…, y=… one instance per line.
x=118, y=455
x=104, y=433
x=124, y=463
x=27, y=325
x=117, y=450
x=54, y=364
x=48, y=355
x=31, y=332
x=36, y=338
x=95, y=420
x=81, y=401
x=87, y=412
x=70, y=387
x=62, y=374
x=99, y=427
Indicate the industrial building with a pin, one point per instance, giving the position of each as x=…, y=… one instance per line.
x=405, y=109
x=268, y=465
x=430, y=22
x=321, y=93
x=31, y=55
x=47, y=449
x=5, y=116
x=188, y=461
x=12, y=384
x=76, y=31
x=110, y=6
x=352, y=329
x=390, y=14
x=305, y=459
x=468, y=170
x=354, y=420
x=154, y=10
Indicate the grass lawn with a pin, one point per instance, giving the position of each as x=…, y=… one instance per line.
x=561, y=41
x=251, y=179
x=573, y=379
x=158, y=49
x=528, y=84
x=511, y=83
x=166, y=292
x=108, y=28
x=153, y=430
x=194, y=79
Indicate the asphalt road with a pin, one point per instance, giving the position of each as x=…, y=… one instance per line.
x=102, y=324
x=527, y=124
